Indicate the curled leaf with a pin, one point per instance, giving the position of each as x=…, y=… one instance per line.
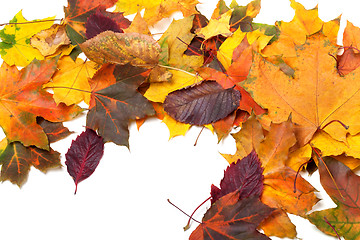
x=121, y=48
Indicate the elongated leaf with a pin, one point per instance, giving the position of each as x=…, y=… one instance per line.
x=121, y=48
x=245, y=176
x=84, y=155
x=202, y=104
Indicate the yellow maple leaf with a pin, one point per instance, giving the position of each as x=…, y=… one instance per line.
x=70, y=78
x=215, y=27
x=157, y=9
x=15, y=47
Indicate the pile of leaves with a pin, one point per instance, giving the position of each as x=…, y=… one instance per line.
x=293, y=91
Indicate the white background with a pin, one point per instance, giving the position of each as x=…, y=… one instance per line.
x=126, y=197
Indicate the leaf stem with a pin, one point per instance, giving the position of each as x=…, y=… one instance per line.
x=338, y=121
x=70, y=88
x=191, y=216
x=297, y=173
x=332, y=227
x=328, y=170
x=177, y=69
x=183, y=211
x=29, y=22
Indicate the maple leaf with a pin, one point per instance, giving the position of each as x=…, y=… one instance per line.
x=216, y=27
x=23, y=99
x=309, y=96
x=345, y=217
x=48, y=41
x=273, y=150
x=84, y=155
x=245, y=176
x=16, y=159
x=231, y=218
x=70, y=81
x=351, y=36
x=157, y=9
x=242, y=16
x=305, y=23
x=112, y=107
x=138, y=25
x=122, y=48
x=77, y=13
x=201, y=104
x=15, y=48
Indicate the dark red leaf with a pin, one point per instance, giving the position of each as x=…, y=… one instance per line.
x=84, y=155
x=230, y=219
x=201, y=104
x=98, y=23
x=199, y=21
x=245, y=176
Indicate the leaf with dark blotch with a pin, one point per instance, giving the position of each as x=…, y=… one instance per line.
x=122, y=48
x=202, y=104
x=345, y=218
x=98, y=23
x=111, y=108
x=54, y=131
x=17, y=159
x=244, y=176
x=230, y=219
x=84, y=155
x=199, y=21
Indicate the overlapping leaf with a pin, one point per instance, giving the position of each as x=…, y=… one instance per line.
x=345, y=217
x=23, y=99
x=112, y=107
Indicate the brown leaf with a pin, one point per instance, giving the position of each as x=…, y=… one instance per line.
x=121, y=48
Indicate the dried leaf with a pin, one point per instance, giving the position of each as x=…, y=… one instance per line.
x=121, y=48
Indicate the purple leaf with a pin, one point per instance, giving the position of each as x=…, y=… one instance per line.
x=98, y=23
x=202, y=104
x=245, y=176
x=84, y=155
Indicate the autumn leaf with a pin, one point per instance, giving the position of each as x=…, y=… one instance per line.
x=242, y=16
x=17, y=159
x=121, y=48
x=77, y=13
x=98, y=22
x=23, y=99
x=48, y=41
x=15, y=48
x=157, y=9
x=309, y=96
x=202, y=104
x=84, y=155
x=231, y=218
x=70, y=82
x=112, y=107
x=245, y=176
x=215, y=27
x=345, y=217
x=54, y=131
x=351, y=36
x=348, y=61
